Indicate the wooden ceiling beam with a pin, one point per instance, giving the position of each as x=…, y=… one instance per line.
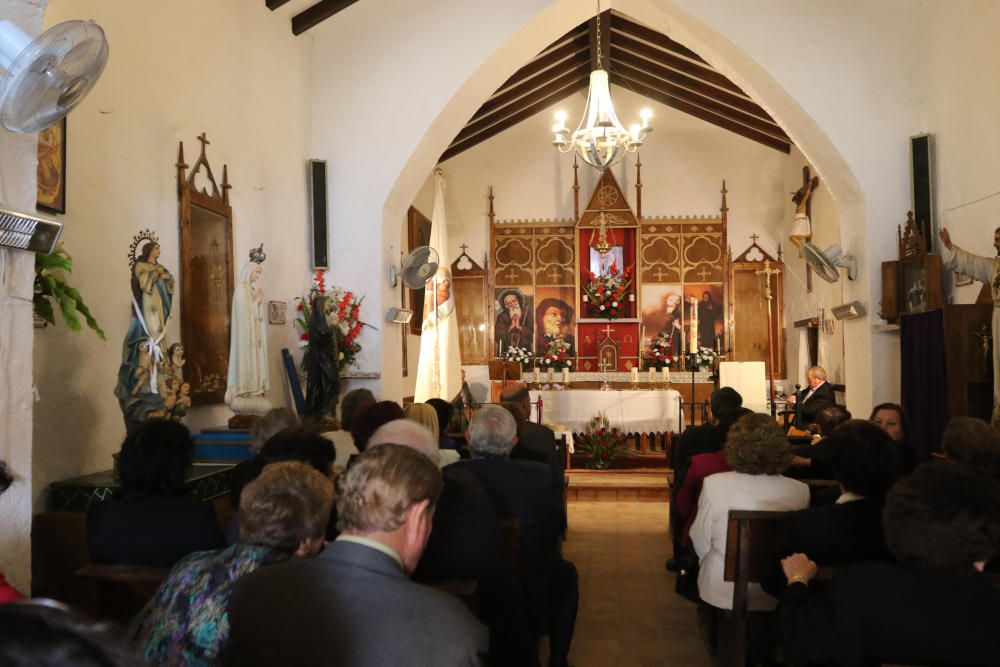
x=622, y=24
x=476, y=125
x=579, y=44
x=274, y=4
x=706, y=103
x=698, y=112
x=510, y=121
x=578, y=63
x=321, y=11
x=737, y=101
x=676, y=63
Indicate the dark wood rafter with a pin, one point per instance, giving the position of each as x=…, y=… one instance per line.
x=318, y=13
x=274, y=4
x=637, y=58
x=633, y=75
x=704, y=115
x=514, y=119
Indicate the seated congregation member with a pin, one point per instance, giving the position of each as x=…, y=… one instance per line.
x=866, y=463
x=7, y=592
x=295, y=444
x=974, y=443
x=46, y=633
x=283, y=515
x=277, y=419
x=523, y=490
x=532, y=437
x=445, y=411
x=933, y=607
x=354, y=605
x=350, y=405
x=891, y=418
x=817, y=394
x=426, y=416
x=467, y=543
x=758, y=452
x=814, y=461
x=367, y=420
x=153, y=520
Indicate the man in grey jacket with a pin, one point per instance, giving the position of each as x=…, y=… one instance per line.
x=354, y=604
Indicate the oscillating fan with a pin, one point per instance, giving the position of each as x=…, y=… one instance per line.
x=826, y=262
x=418, y=267
x=48, y=76
x=44, y=79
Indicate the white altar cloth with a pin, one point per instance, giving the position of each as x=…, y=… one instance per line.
x=640, y=411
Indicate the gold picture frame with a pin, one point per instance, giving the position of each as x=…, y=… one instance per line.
x=51, y=170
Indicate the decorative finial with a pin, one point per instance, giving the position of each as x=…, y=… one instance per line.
x=257, y=254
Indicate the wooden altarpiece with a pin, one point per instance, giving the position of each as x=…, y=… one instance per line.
x=469, y=282
x=206, y=230
x=748, y=307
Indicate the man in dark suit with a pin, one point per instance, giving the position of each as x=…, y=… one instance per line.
x=813, y=398
x=522, y=490
x=354, y=605
x=815, y=461
x=935, y=607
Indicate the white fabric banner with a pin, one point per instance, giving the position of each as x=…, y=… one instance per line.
x=439, y=367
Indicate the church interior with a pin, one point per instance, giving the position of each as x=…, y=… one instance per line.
x=800, y=217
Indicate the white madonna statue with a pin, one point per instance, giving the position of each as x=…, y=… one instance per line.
x=248, y=379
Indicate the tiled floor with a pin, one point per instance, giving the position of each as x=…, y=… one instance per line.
x=629, y=614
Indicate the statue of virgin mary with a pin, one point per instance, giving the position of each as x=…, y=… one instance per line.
x=248, y=377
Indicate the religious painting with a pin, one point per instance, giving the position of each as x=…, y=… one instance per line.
x=615, y=257
x=662, y=314
x=277, y=312
x=703, y=311
x=418, y=229
x=51, y=168
x=211, y=277
x=914, y=287
x=554, y=317
x=515, y=320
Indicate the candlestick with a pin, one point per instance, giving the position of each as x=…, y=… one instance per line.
x=652, y=374
x=665, y=372
x=538, y=374
x=635, y=375
x=565, y=376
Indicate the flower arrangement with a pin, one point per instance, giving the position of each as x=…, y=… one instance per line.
x=660, y=353
x=704, y=357
x=607, y=295
x=343, y=315
x=556, y=355
x=521, y=355
x=601, y=442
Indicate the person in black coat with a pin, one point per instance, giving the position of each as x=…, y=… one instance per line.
x=277, y=419
x=814, y=461
x=522, y=490
x=866, y=463
x=813, y=398
x=934, y=607
x=153, y=520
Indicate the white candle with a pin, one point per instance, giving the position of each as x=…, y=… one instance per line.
x=565, y=376
x=652, y=374
x=665, y=372
x=538, y=374
x=635, y=375
x=631, y=297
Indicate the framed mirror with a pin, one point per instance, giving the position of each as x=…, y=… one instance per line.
x=206, y=226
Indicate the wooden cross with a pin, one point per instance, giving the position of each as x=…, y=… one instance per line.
x=659, y=273
x=607, y=331
x=704, y=273
x=554, y=274
x=754, y=237
x=512, y=273
x=464, y=247
x=204, y=142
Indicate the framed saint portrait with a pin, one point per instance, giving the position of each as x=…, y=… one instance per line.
x=51, y=169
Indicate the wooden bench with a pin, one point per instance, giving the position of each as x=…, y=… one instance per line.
x=123, y=590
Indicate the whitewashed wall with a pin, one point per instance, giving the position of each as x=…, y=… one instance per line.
x=176, y=69
x=17, y=191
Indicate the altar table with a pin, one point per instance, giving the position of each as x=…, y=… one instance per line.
x=640, y=411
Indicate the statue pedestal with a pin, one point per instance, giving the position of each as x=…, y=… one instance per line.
x=243, y=421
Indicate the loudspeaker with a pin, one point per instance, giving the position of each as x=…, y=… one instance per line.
x=920, y=172
x=317, y=198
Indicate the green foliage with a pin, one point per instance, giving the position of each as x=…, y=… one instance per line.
x=51, y=285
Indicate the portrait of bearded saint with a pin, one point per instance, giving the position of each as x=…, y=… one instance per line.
x=556, y=317
x=513, y=326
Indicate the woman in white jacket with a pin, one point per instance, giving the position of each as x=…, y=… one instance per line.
x=758, y=452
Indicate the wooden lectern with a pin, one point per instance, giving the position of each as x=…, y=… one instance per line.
x=502, y=373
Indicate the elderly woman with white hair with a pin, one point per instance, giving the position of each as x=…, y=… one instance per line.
x=415, y=435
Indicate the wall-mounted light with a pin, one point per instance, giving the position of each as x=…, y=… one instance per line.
x=848, y=311
x=399, y=315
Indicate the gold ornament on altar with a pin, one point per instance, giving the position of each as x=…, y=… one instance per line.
x=602, y=239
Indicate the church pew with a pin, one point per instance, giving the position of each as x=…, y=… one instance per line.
x=122, y=590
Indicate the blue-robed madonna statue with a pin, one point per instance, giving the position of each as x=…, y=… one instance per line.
x=149, y=383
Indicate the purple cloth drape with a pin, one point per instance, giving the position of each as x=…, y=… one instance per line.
x=923, y=378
